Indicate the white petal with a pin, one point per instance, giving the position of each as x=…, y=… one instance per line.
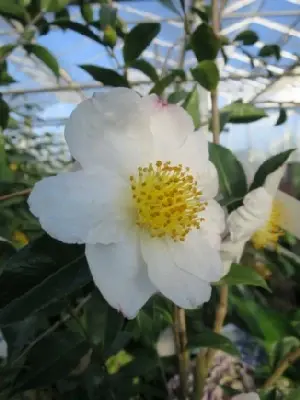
x=231, y=252
x=124, y=256
x=214, y=223
x=100, y=127
x=197, y=257
x=208, y=181
x=246, y=396
x=123, y=292
x=71, y=204
x=184, y=289
x=169, y=123
x=273, y=180
x=250, y=217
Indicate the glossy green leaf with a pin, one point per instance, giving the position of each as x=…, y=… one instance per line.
x=54, y=5
x=207, y=74
x=192, y=106
x=78, y=28
x=166, y=81
x=282, y=117
x=269, y=166
x=41, y=273
x=212, y=340
x=242, y=275
x=60, y=353
x=10, y=8
x=272, y=50
x=281, y=348
x=106, y=76
x=87, y=12
x=243, y=113
x=138, y=39
x=108, y=16
x=6, y=50
x=247, y=37
x=205, y=43
x=232, y=178
x=145, y=67
x=45, y=56
x=203, y=11
x=177, y=97
x=4, y=113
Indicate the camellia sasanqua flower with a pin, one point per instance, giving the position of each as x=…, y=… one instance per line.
x=142, y=202
x=258, y=220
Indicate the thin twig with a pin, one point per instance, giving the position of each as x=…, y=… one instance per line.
x=200, y=374
x=180, y=339
x=52, y=328
x=282, y=367
x=20, y=193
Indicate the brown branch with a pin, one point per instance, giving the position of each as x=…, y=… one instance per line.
x=20, y=193
x=289, y=359
x=180, y=339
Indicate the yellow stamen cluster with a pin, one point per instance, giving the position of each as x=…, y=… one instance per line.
x=271, y=232
x=167, y=200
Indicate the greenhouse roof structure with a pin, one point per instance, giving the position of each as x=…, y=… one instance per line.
x=276, y=81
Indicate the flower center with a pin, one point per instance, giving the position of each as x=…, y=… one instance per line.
x=269, y=234
x=167, y=200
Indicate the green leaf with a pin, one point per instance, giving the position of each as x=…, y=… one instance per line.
x=212, y=340
x=282, y=117
x=38, y=275
x=87, y=12
x=242, y=275
x=108, y=16
x=272, y=50
x=138, y=39
x=232, y=178
x=4, y=113
x=106, y=76
x=207, y=74
x=205, y=43
x=163, y=83
x=247, y=37
x=269, y=166
x=54, y=5
x=281, y=348
x=203, y=11
x=45, y=56
x=10, y=8
x=78, y=28
x=6, y=50
x=177, y=97
x=52, y=359
x=243, y=113
x=192, y=106
x=145, y=67
x=294, y=394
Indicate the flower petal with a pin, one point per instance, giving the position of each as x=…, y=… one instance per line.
x=71, y=204
x=169, y=123
x=214, y=223
x=184, y=289
x=123, y=292
x=247, y=396
x=231, y=252
x=100, y=127
x=196, y=256
x=250, y=217
x=208, y=181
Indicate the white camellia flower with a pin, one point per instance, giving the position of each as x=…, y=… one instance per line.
x=246, y=396
x=142, y=201
x=257, y=219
